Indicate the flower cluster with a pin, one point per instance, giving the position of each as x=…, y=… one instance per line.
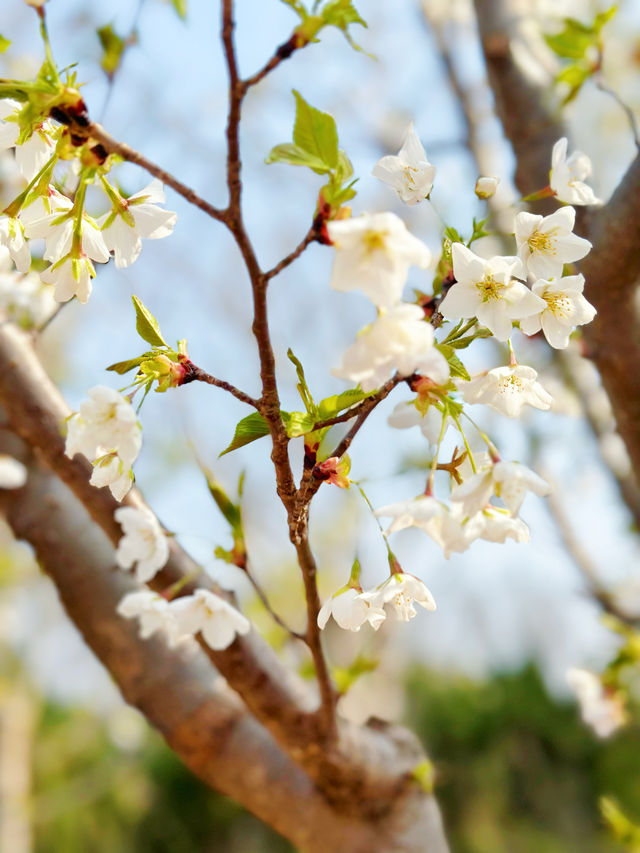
x=351, y=607
x=106, y=431
x=74, y=240
x=180, y=620
x=143, y=543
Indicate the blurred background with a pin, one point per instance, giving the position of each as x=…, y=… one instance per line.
x=482, y=680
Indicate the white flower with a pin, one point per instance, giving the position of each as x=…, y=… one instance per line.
x=401, y=590
x=143, y=542
x=13, y=474
x=138, y=217
x=565, y=308
x=44, y=205
x=409, y=172
x=373, y=254
x=486, y=187
x=546, y=243
x=351, y=608
x=399, y=340
x=447, y=526
x=150, y=608
x=33, y=154
x=204, y=612
x=568, y=174
x=9, y=130
x=26, y=299
x=406, y=415
x=487, y=290
x=509, y=481
x=57, y=229
x=70, y=277
x=107, y=432
x=507, y=390
x=12, y=236
x=602, y=709
x=110, y=470
x=498, y=525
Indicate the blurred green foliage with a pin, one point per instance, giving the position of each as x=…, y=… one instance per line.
x=515, y=772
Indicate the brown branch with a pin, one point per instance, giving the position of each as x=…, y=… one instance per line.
x=197, y=374
x=367, y=405
x=310, y=237
x=112, y=146
x=283, y=52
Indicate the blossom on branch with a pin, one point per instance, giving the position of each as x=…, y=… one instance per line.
x=447, y=526
x=150, y=608
x=407, y=415
x=546, y=243
x=212, y=616
x=567, y=175
x=602, y=709
x=507, y=390
x=399, y=340
x=509, y=481
x=400, y=591
x=12, y=236
x=373, y=254
x=351, y=608
x=486, y=289
x=409, y=172
x=143, y=542
x=134, y=218
x=565, y=308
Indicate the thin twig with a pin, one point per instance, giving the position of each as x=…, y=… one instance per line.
x=267, y=606
x=306, y=241
x=283, y=52
x=633, y=122
x=197, y=374
x=112, y=146
x=368, y=404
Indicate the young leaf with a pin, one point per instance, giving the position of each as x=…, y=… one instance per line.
x=331, y=406
x=297, y=7
x=113, y=46
x=341, y=14
x=229, y=510
x=315, y=132
x=147, y=325
x=303, y=388
x=181, y=7
x=294, y=156
x=456, y=367
x=298, y=423
x=249, y=429
x=4, y=43
x=122, y=367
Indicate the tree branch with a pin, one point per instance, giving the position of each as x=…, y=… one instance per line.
x=197, y=374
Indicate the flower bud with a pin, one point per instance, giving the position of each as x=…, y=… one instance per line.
x=486, y=187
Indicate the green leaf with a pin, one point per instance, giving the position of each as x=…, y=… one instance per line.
x=295, y=156
x=229, y=510
x=573, y=42
x=331, y=406
x=113, y=46
x=123, y=367
x=573, y=76
x=456, y=367
x=478, y=230
x=463, y=343
x=603, y=18
x=4, y=43
x=297, y=7
x=298, y=423
x=249, y=429
x=341, y=14
x=315, y=132
x=303, y=388
x=181, y=7
x=147, y=325
x=345, y=677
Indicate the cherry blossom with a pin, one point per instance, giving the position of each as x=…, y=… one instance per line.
x=401, y=591
x=143, y=542
x=212, y=616
x=399, y=340
x=373, y=254
x=546, y=243
x=150, y=608
x=507, y=390
x=568, y=174
x=134, y=218
x=409, y=172
x=25, y=299
x=34, y=153
x=565, y=308
x=13, y=474
x=70, y=277
x=57, y=229
x=9, y=130
x=447, y=526
x=602, y=709
x=509, y=481
x=351, y=608
x=498, y=525
x=486, y=289
x=407, y=415
x=486, y=187
x=12, y=236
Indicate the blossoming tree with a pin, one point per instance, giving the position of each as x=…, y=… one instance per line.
x=161, y=626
